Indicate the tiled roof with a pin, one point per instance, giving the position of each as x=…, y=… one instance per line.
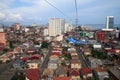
x=75, y=57
x=32, y=74
x=85, y=71
x=54, y=56
x=55, y=53
x=61, y=70
x=61, y=78
x=74, y=72
x=24, y=59
x=47, y=72
x=35, y=56
x=111, y=50
x=99, y=69
x=30, y=50
x=75, y=61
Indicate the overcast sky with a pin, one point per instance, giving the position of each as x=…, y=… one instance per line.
x=39, y=11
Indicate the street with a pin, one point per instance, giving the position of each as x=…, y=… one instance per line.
x=82, y=58
x=45, y=62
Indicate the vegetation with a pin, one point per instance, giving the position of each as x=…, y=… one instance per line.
x=5, y=50
x=79, y=28
x=65, y=53
x=11, y=44
x=45, y=44
x=63, y=63
x=100, y=54
x=64, y=49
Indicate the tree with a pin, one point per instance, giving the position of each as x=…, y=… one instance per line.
x=44, y=44
x=98, y=54
x=11, y=44
x=79, y=28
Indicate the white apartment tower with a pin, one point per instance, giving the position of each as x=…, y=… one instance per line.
x=56, y=26
x=45, y=32
x=110, y=22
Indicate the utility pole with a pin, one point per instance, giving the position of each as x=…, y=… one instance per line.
x=76, y=13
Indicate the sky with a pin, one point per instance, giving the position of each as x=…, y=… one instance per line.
x=39, y=11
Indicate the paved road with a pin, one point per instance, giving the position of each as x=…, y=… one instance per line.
x=45, y=62
x=82, y=57
x=5, y=71
x=6, y=66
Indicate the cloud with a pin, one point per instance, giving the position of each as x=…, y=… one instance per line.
x=2, y=16
x=38, y=10
x=13, y=17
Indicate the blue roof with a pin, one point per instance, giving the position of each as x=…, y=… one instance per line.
x=76, y=42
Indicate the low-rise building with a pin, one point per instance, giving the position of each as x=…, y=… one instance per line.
x=18, y=64
x=115, y=72
x=74, y=74
x=53, y=64
x=75, y=64
x=100, y=73
x=86, y=73
x=32, y=74
x=61, y=78
x=34, y=64
x=94, y=62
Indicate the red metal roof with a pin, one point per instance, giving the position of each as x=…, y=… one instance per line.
x=55, y=53
x=32, y=74
x=85, y=71
x=111, y=50
x=74, y=72
x=24, y=59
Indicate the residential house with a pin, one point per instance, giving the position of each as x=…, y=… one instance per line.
x=54, y=57
x=73, y=53
x=35, y=57
x=28, y=44
x=47, y=74
x=94, y=62
x=61, y=78
x=57, y=48
x=31, y=50
x=53, y=64
x=100, y=73
x=75, y=64
x=4, y=59
x=18, y=64
x=86, y=73
x=1, y=47
x=74, y=74
x=87, y=52
x=57, y=51
x=34, y=64
x=71, y=49
x=17, y=50
x=32, y=74
x=115, y=72
x=75, y=57
x=61, y=71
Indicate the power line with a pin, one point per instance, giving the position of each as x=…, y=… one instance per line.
x=76, y=13
x=55, y=8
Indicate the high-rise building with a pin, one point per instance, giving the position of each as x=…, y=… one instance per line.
x=110, y=22
x=16, y=26
x=100, y=36
x=45, y=31
x=2, y=38
x=56, y=25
